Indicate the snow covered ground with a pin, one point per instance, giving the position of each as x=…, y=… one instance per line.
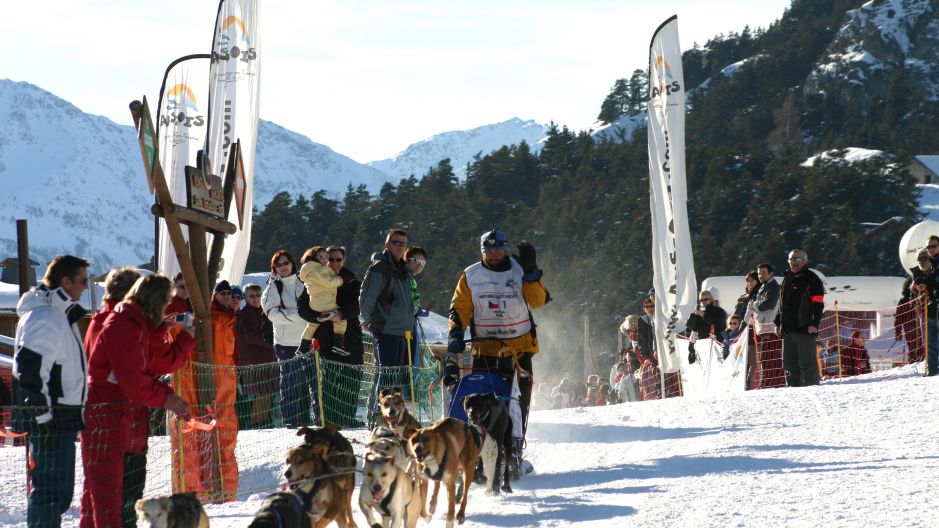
x=859, y=452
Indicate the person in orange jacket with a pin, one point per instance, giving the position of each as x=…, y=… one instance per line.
x=204, y=461
x=121, y=381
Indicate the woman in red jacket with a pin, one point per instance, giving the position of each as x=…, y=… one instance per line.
x=126, y=350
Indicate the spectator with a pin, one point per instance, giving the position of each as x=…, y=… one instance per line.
x=800, y=311
x=494, y=298
x=854, y=358
x=226, y=386
x=321, y=284
x=908, y=316
x=563, y=395
x=731, y=333
x=927, y=283
x=542, y=399
x=932, y=247
x=708, y=320
x=644, y=349
x=830, y=358
x=603, y=396
x=260, y=380
x=116, y=286
x=385, y=301
x=123, y=369
x=180, y=303
x=745, y=301
x=630, y=331
x=416, y=259
x=765, y=369
x=50, y=406
x=346, y=350
x=279, y=302
x=236, y=297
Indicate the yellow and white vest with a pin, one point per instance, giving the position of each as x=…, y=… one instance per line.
x=499, y=308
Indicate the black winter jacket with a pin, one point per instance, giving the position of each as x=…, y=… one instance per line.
x=802, y=301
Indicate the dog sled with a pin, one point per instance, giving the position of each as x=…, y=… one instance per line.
x=500, y=378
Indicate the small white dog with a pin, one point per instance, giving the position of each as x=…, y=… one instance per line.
x=391, y=492
x=182, y=510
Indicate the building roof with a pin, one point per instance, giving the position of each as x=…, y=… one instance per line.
x=930, y=162
x=12, y=262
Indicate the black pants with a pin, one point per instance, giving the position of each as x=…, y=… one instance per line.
x=135, y=477
x=800, y=359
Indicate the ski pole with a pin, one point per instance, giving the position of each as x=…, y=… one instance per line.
x=407, y=337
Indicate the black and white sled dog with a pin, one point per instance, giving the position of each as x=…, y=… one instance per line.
x=491, y=414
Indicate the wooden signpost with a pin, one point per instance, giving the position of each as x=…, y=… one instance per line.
x=193, y=257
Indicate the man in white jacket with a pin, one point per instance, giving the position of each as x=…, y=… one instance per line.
x=49, y=366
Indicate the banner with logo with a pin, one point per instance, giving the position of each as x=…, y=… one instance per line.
x=711, y=373
x=181, y=130
x=673, y=263
x=234, y=94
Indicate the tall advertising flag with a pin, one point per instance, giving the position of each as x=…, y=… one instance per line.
x=673, y=263
x=181, y=129
x=234, y=82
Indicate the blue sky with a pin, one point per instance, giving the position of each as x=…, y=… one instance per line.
x=368, y=78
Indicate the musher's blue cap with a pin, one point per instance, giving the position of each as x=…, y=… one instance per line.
x=493, y=240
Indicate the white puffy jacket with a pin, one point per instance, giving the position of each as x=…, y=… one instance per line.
x=49, y=357
x=281, y=309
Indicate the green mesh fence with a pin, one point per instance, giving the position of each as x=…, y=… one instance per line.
x=243, y=420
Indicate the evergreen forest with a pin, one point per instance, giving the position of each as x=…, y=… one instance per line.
x=584, y=203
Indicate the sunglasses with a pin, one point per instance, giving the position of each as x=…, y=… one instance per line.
x=335, y=259
x=398, y=243
x=418, y=261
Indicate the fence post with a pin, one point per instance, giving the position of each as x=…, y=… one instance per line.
x=926, y=336
x=319, y=388
x=408, y=338
x=838, y=341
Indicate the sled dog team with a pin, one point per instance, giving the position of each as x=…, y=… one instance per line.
x=400, y=461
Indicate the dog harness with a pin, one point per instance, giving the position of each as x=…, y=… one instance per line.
x=440, y=469
x=383, y=505
x=307, y=498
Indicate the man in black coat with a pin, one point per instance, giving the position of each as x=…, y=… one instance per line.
x=802, y=301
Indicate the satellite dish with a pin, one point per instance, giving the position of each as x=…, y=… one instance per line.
x=915, y=239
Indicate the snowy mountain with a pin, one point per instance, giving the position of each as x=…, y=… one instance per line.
x=78, y=178
x=876, y=40
x=460, y=146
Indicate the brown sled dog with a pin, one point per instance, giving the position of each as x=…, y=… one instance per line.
x=329, y=498
x=395, y=414
x=441, y=451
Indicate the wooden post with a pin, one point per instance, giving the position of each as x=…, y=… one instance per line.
x=22, y=255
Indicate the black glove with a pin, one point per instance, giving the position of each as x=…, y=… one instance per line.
x=692, y=355
x=304, y=348
x=526, y=258
x=451, y=371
